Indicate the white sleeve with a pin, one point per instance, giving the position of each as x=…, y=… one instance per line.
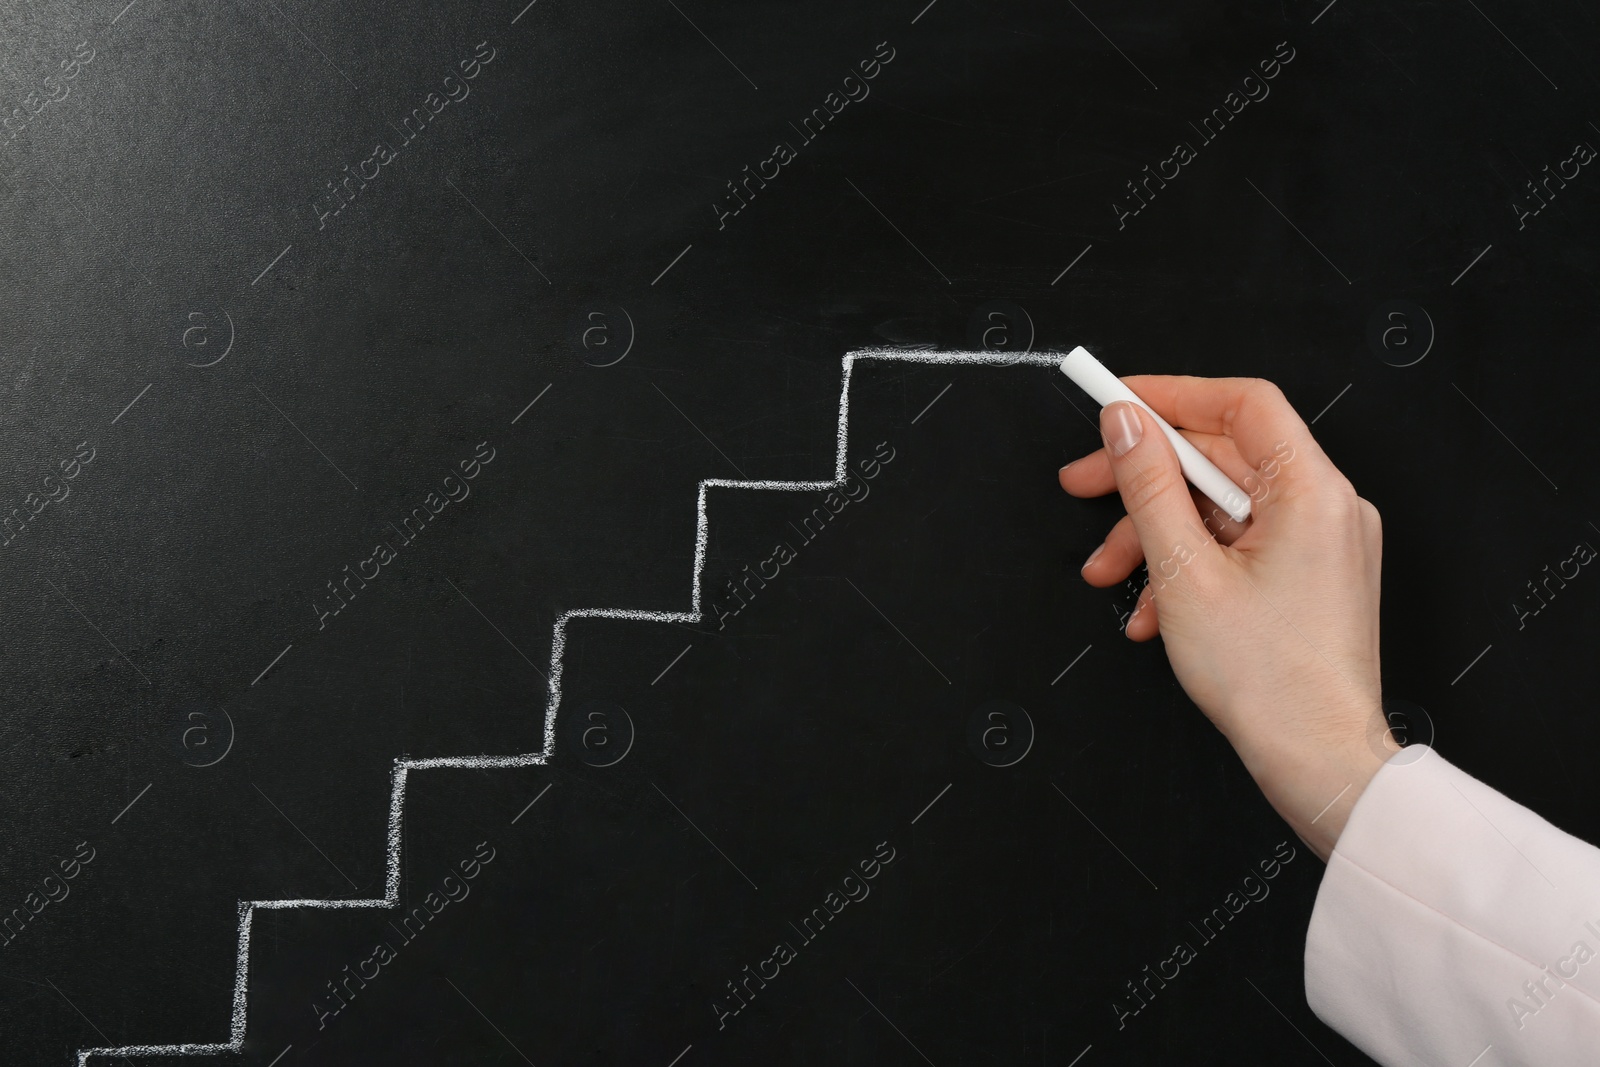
x=1454, y=926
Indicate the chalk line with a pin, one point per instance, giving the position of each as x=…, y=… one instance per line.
x=558, y=645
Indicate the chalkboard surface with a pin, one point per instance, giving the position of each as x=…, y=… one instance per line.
x=376, y=374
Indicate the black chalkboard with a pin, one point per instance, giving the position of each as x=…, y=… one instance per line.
x=367, y=365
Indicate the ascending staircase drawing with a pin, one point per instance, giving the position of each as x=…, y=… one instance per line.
x=403, y=767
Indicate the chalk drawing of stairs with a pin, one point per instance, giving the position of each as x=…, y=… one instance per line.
x=403, y=767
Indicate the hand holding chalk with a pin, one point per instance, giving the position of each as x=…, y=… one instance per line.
x=1271, y=629
x=1106, y=388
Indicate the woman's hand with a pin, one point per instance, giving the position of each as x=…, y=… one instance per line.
x=1272, y=625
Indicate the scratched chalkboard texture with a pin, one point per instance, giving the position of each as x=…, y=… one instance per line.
x=376, y=373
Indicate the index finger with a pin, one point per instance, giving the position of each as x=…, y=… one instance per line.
x=1252, y=411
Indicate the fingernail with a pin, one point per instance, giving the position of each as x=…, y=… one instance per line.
x=1120, y=423
x=1092, y=557
x=1068, y=467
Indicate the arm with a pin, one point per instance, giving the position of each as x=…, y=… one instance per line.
x=1450, y=919
x=1271, y=626
x=1441, y=896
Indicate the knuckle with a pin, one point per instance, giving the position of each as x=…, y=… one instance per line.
x=1371, y=520
x=1329, y=503
x=1145, y=484
x=1201, y=593
x=1256, y=396
x=1264, y=395
x=1266, y=390
x=1337, y=498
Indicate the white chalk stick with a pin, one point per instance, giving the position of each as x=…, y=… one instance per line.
x=1093, y=377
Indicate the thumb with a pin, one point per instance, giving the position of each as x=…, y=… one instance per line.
x=1153, y=489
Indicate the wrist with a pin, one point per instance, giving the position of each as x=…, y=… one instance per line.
x=1320, y=825
x=1314, y=783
